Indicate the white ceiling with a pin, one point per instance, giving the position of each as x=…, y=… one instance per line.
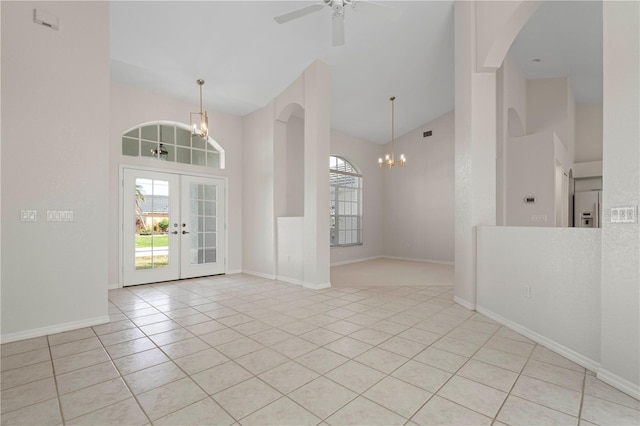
x=247, y=59
x=567, y=38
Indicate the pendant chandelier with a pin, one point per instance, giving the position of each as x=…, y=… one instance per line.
x=199, y=121
x=390, y=160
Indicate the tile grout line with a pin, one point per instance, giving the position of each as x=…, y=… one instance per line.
x=584, y=386
x=361, y=394
x=121, y=377
x=55, y=381
x=173, y=381
x=291, y=359
x=454, y=374
x=102, y=346
x=374, y=300
x=495, y=419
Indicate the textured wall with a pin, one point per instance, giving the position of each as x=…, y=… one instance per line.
x=561, y=266
x=55, y=100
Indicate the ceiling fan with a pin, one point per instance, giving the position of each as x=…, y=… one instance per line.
x=338, y=7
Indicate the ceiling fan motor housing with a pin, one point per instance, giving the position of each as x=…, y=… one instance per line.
x=338, y=5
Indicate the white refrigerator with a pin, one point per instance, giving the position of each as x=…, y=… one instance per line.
x=587, y=209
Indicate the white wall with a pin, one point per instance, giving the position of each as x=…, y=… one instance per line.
x=55, y=100
x=258, y=220
x=515, y=94
x=478, y=25
x=295, y=167
x=551, y=107
x=290, y=249
x=588, y=132
x=364, y=156
x=621, y=167
x=317, y=132
x=530, y=173
x=131, y=107
x=288, y=157
x=418, y=201
x=511, y=87
x=561, y=266
x=260, y=180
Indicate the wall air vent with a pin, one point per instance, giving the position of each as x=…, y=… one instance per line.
x=427, y=133
x=46, y=19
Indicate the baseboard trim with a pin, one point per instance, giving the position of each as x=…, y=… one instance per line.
x=363, y=259
x=464, y=303
x=259, y=274
x=234, y=272
x=114, y=286
x=52, y=329
x=619, y=383
x=289, y=280
x=441, y=262
x=313, y=286
x=556, y=347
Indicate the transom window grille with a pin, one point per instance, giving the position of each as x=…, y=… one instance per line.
x=345, y=203
x=176, y=139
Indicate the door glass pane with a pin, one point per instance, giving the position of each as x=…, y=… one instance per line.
x=203, y=217
x=152, y=223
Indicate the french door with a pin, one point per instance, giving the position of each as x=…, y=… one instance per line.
x=174, y=226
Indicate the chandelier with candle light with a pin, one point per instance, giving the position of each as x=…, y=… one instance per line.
x=199, y=121
x=390, y=160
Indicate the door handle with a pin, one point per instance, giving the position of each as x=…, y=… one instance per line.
x=175, y=232
x=185, y=232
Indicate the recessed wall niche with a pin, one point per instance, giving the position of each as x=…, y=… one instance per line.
x=289, y=162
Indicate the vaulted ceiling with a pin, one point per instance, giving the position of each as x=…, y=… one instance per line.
x=247, y=59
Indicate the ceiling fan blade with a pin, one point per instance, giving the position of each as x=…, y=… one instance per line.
x=377, y=10
x=338, y=29
x=298, y=13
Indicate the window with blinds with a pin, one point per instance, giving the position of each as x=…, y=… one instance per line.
x=345, y=203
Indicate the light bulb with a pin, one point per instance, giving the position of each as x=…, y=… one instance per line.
x=380, y=160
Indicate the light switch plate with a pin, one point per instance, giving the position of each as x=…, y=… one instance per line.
x=28, y=216
x=538, y=218
x=627, y=214
x=59, y=215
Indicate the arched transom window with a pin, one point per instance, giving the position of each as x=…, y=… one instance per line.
x=176, y=140
x=345, y=203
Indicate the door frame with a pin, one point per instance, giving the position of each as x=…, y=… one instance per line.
x=121, y=168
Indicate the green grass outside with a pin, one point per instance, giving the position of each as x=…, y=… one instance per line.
x=146, y=263
x=145, y=241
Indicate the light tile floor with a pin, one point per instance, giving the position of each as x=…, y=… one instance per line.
x=244, y=350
